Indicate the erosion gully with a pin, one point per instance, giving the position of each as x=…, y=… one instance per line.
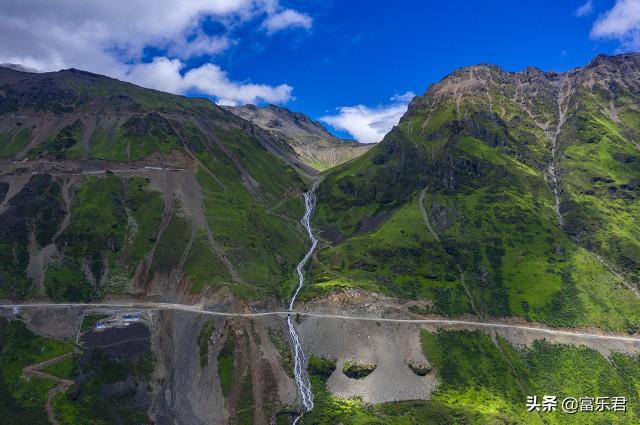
x=299, y=360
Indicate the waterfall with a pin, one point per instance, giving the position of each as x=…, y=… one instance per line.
x=299, y=360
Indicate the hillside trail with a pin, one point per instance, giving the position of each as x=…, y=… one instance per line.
x=425, y=216
x=35, y=370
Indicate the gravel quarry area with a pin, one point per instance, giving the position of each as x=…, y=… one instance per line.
x=390, y=346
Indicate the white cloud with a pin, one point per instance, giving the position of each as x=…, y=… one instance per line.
x=622, y=22
x=287, y=19
x=201, y=44
x=211, y=79
x=165, y=74
x=403, y=98
x=161, y=74
x=585, y=9
x=369, y=124
x=109, y=37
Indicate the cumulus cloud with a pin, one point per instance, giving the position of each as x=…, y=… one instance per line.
x=167, y=75
x=585, y=9
x=369, y=124
x=622, y=22
x=287, y=18
x=199, y=45
x=110, y=37
x=210, y=78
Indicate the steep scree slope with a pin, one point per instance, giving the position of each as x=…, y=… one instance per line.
x=308, y=139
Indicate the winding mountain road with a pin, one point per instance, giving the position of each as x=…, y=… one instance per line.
x=35, y=370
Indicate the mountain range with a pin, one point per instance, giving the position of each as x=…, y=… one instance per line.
x=486, y=250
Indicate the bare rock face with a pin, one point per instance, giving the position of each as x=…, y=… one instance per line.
x=309, y=139
x=189, y=389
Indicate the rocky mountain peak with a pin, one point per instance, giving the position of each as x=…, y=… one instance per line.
x=308, y=138
x=626, y=60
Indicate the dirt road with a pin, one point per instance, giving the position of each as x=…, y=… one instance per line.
x=35, y=370
x=200, y=310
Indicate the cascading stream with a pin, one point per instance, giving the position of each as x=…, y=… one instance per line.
x=301, y=378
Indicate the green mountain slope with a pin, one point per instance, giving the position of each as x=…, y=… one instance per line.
x=499, y=194
x=109, y=188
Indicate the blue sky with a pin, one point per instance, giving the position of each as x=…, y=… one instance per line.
x=346, y=62
x=365, y=51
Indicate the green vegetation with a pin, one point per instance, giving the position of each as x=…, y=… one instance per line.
x=114, y=225
x=65, y=145
x=113, y=228
x=97, y=230
x=4, y=189
x=66, y=282
x=174, y=241
x=494, y=377
x=321, y=367
x=470, y=361
x=88, y=404
x=116, y=93
x=14, y=140
x=138, y=137
x=251, y=196
x=252, y=208
x=496, y=248
x=116, y=222
x=204, y=338
x=226, y=358
x=330, y=409
x=146, y=209
x=22, y=401
x=89, y=321
x=487, y=382
x=203, y=266
x=34, y=212
x=98, y=219
x=246, y=405
x=602, y=166
x=355, y=370
x=65, y=368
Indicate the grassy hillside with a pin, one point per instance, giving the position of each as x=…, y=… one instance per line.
x=105, y=392
x=209, y=203
x=457, y=204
